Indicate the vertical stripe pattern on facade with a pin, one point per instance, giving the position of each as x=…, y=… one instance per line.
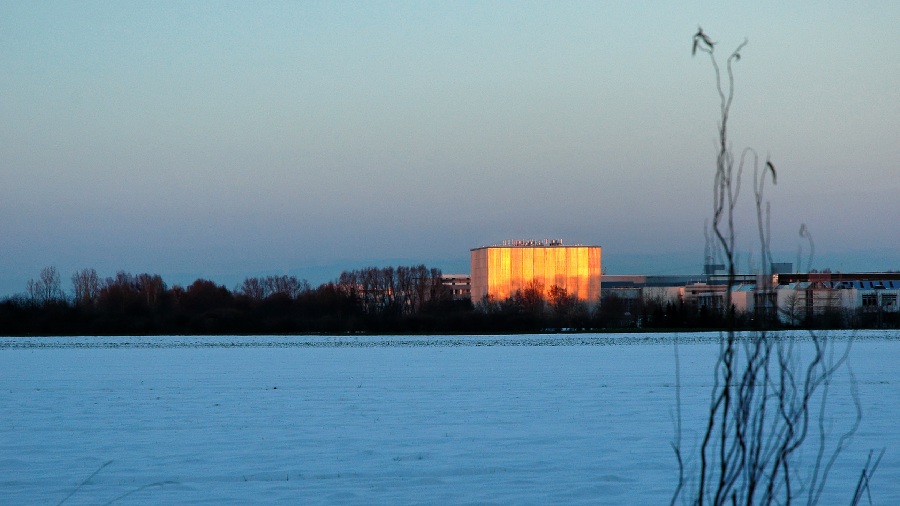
x=499, y=271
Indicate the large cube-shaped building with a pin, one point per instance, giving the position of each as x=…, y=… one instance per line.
x=499, y=271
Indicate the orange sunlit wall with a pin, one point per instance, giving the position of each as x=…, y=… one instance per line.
x=498, y=271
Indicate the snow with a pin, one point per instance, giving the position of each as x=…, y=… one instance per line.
x=571, y=419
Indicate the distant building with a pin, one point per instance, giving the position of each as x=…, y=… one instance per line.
x=499, y=271
x=790, y=297
x=803, y=295
x=460, y=285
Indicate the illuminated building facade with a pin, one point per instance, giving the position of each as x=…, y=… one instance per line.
x=499, y=271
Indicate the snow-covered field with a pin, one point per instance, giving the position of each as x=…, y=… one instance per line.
x=583, y=419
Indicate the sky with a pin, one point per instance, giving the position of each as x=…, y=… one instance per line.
x=222, y=140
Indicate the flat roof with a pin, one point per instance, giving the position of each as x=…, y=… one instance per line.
x=536, y=245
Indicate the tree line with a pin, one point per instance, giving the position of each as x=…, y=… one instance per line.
x=403, y=299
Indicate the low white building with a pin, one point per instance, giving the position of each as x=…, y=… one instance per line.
x=791, y=297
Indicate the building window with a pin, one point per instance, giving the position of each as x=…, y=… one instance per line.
x=889, y=299
x=869, y=300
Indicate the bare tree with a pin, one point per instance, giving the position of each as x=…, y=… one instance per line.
x=531, y=298
x=560, y=300
x=287, y=286
x=151, y=287
x=402, y=290
x=86, y=287
x=791, y=308
x=47, y=288
x=259, y=289
x=253, y=289
x=768, y=400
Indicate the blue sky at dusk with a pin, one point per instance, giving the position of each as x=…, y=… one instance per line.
x=228, y=139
